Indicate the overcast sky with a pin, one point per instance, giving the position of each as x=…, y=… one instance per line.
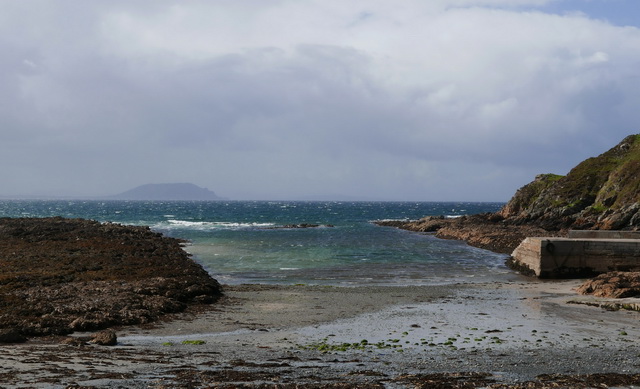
x=434, y=100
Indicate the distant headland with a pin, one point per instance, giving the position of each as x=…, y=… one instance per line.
x=179, y=191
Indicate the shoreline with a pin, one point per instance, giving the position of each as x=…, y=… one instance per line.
x=493, y=333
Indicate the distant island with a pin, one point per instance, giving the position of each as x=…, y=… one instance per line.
x=165, y=192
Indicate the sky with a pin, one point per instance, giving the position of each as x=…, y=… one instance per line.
x=438, y=100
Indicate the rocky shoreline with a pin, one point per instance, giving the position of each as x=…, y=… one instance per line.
x=487, y=231
x=64, y=275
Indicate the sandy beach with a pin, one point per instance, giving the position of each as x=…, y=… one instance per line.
x=514, y=333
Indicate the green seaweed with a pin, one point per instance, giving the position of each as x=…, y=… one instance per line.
x=193, y=342
x=325, y=347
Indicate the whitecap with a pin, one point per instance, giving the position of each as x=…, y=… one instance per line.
x=204, y=225
x=389, y=220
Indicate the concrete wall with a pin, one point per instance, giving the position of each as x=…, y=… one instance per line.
x=564, y=257
x=603, y=234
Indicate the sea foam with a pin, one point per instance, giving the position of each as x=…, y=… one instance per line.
x=204, y=225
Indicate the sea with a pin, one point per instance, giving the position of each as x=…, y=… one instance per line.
x=241, y=242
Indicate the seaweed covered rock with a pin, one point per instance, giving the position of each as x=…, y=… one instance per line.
x=613, y=285
x=62, y=275
x=487, y=231
x=105, y=338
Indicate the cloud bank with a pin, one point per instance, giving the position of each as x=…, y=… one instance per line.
x=411, y=100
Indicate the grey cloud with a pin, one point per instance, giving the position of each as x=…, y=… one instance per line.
x=457, y=108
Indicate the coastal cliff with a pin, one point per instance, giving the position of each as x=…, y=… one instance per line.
x=599, y=193
x=64, y=275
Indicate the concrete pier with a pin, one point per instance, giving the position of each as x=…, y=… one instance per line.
x=583, y=253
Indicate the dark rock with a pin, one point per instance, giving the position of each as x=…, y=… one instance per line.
x=11, y=335
x=426, y=224
x=75, y=341
x=301, y=225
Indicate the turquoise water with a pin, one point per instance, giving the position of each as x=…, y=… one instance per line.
x=240, y=242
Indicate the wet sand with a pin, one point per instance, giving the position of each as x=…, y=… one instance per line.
x=503, y=333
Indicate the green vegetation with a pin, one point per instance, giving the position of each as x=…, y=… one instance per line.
x=193, y=342
x=607, y=181
x=529, y=194
x=598, y=208
x=325, y=347
x=457, y=342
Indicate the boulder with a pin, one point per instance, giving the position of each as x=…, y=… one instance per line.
x=104, y=338
x=613, y=285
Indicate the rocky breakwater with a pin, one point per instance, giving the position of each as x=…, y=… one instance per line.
x=64, y=275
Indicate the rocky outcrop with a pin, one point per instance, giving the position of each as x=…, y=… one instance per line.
x=300, y=225
x=487, y=231
x=613, y=284
x=105, y=338
x=64, y=275
x=526, y=197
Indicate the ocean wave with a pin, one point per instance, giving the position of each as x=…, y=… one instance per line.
x=373, y=221
x=204, y=225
